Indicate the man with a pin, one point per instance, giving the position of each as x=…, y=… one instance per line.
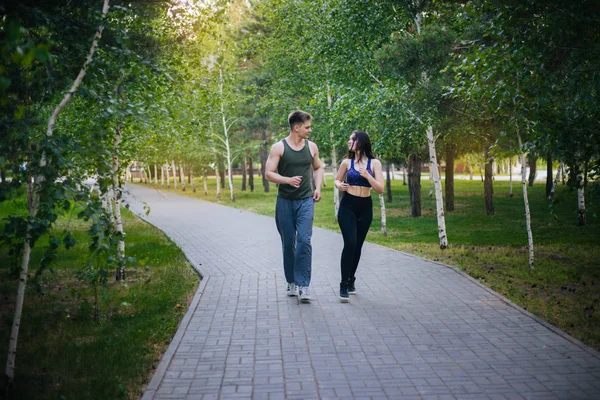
x=290, y=164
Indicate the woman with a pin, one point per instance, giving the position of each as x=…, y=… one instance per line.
x=362, y=172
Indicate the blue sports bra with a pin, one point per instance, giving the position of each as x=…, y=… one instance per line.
x=353, y=177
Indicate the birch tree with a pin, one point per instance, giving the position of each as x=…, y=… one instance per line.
x=34, y=190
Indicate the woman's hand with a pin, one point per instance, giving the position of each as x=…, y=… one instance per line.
x=364, y=173
x=342, y=186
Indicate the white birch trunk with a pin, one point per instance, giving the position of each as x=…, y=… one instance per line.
x=182, y=177
x=470, y=173
x=168, y=177
x=226, y=134
x=174, y=174
x=204, y=183
x=34, y=195
x=383, y=215
x=118, y=221
x=404, y=175
x=526, y=200
x=192, y=179
x=155, y=174
x=393, y=167
x=551, y=195
x=149, y=174
x=14, y=334
x=107, y=203
x=439, y=201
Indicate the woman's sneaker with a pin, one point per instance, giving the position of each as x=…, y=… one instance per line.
x=291, y=289
x=351, y=288
x=344, y=298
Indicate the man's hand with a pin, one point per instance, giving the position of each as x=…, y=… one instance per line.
x=317, y=195
x=295, y=181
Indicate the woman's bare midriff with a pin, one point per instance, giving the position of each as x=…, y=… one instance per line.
x=359, y=191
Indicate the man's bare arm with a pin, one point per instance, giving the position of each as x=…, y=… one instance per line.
x=272, y=164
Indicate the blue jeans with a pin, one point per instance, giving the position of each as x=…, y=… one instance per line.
x=294, y=219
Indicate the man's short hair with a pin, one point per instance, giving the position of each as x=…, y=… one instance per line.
x=298, y=117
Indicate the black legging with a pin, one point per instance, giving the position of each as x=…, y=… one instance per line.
x=354, y=217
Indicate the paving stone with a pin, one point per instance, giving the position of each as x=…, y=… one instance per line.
x=416, y=329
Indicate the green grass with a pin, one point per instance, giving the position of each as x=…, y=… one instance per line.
x=63, y=351
x=564, y=287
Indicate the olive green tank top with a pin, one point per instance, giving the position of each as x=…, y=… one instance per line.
x=294, y=163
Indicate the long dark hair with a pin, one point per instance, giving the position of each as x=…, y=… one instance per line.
x=363, y=145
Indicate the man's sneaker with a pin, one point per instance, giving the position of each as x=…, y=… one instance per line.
x=351, y=288
x=344, y=298
x=291, y=289
x=304, y=294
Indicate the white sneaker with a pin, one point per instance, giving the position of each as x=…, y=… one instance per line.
x=304, y=294
x=291, y=289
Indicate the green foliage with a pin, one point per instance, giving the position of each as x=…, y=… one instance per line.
x=95, y=340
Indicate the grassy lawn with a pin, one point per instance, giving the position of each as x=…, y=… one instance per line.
x=564, y=287
x=63, y=352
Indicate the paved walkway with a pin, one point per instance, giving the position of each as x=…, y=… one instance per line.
x=416, y=330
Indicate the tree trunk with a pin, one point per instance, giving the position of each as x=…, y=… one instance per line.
x=250, y=174
x=414, y=184
x=226, y=136
x=14, y=335
x=449, y=179
x=581, y=217
x=168, y=177
x=532, y=167
x=118, y=221
x=383, y=215
x=403, y=174
x=174, y=174
x=192, y=179
x=549, y=184
x=488, y=186
x=3, y=175
x=264, y=154
x=388, y=183
x=155, y=174
x=439, y=201
x=204, y=183
x=525, y=199
x=470, y=173
x=244, y=178
x=219, y=180
x=551, y=196
x=221, y=173
x=561, y=167
x=182, y=177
